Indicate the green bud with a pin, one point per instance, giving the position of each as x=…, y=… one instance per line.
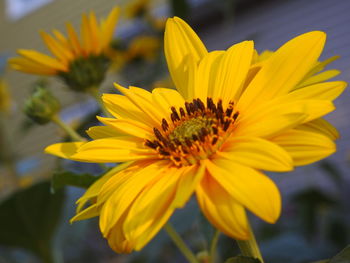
x=42, y=105
x=86, y=72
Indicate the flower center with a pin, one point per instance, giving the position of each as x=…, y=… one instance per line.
x=196, y=132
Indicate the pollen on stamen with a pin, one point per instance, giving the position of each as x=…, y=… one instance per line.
x=198, y=131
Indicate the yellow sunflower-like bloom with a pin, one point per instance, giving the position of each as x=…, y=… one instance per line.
x=80, y=61
x=229, y=119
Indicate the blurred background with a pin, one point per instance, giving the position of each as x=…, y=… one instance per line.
x=315, y=222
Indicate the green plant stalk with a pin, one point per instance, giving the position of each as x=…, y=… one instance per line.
x=6, y=153
x=213, y=245
x=44, y=252
x=97, y=96
x=71, y=132
x=175, y=237
x=250, y=247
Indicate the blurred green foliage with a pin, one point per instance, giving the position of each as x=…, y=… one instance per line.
x=29, y=218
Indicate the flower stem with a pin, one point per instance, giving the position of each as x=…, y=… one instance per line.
x=180, y=243
x=213, y=244
x=71, y=132
x=250, y=247
x=97, y=96
x=7, y=155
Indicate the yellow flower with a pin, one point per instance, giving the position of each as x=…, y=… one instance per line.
x=228, y=120
x=145, y=47
x=137, y=8
x=80, y=62
x=5, y=100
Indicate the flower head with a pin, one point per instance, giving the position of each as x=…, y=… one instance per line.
x=42, y=105
x=230, y=118
x=79, y=61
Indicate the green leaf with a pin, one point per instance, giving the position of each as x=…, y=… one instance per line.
x=342, y=257
x=63, y=178
x=242, y=259
x=29, y=217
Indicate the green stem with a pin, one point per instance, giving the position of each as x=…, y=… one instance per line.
x=44, y=251
x=250, y=247
x=180, y=243
x=7, y=154
x=213, y=244
x=97, y=96
x=71, y=132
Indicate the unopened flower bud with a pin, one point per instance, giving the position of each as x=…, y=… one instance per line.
x=42, y=105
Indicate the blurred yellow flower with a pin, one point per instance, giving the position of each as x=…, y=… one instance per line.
x=158, y=23
x=143, y=47
x=137, y=8
x=80, y=62
x=5, y=100
x=227, y=121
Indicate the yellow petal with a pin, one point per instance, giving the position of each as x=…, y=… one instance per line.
x=321, y=91
x=90, y=212
x=151, y=209
x=129, y=127
x=269, y=119
x=93, y=191
x=256, y=153
x=221, y=209
x=108, y=27
x=305, y=147
x=326, y=75
x=61, y=39
x=250, y=188
x=143, y=100
x=320, y=126
x=284, y=69
x=190, y=177
x=29, y=66
x=167, y=98
x=73, y=39
x=232, y=72
x=94, y=34
x=205, y=76
x=85, y=31
x=113, y=150
x=100, y=132
x=56, y=48
x=116, y=240
x=121, y=107
x=64, y=150
x=42, y=59
x=180, y=42
x=318, y=67
x=120, y=191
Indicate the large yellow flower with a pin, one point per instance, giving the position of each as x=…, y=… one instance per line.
x=230, y=118
x=79, y=61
